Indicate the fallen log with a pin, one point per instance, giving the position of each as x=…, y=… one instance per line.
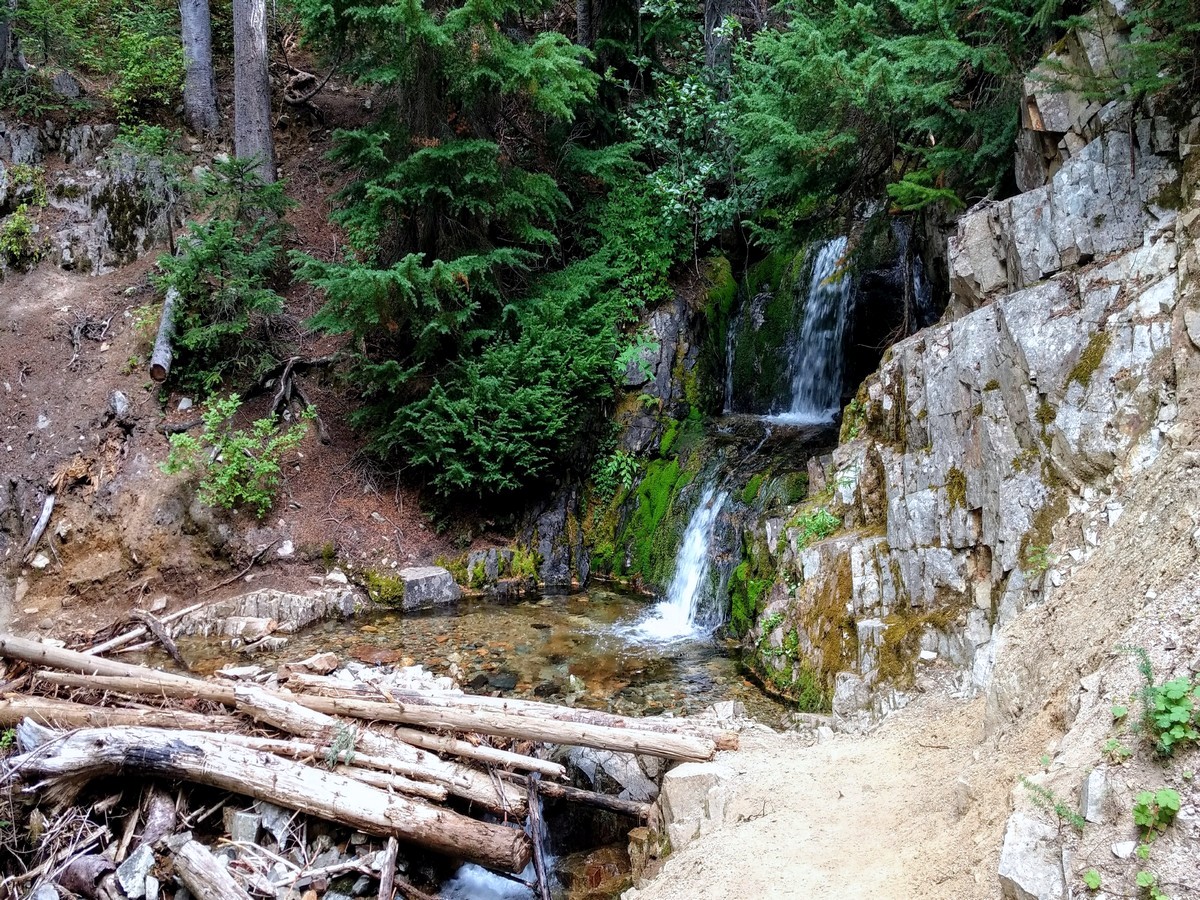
x=67, y=760
x=600, y=737
x=460, y=780
x=331, y=687
x=65, y=714
x=203, y=876
x=71, y=661
x=624, y=740
x=536, y=829
x=161, y=356
x=631, y=808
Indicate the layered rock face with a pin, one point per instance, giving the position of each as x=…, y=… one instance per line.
x=1049, y=377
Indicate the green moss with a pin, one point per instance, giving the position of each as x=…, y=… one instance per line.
x=1090, y=359
x=1025, y=460
x=1041, y=530
x=525, y=563
x=992, y=385
x=752, y=488
x=793, y=487
x=761, y=359
x=384, y=588
x=956, y=487
x=722, y=290
x=456, y=566
x=750, y=581
x=1170, y=196
x=670, y=435
x=478, y=576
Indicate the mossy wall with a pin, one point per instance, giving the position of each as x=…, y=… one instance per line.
x=769, y=316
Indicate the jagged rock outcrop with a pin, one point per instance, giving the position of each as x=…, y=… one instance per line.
x=1050, y=373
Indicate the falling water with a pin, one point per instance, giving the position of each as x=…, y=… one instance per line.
x=730, y=341
x=818, y=355
x=682, y=613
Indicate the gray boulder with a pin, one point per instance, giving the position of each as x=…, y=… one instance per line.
x=1030, y=860
x=428, y=586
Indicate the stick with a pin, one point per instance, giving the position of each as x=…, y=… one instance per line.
x=639, y=811
x=203, y=876
x=387, y=874
x=536, y=829
x=250, y=565
x=39, y=527
x=65, y=714
x=137, y=632
x=160, y=632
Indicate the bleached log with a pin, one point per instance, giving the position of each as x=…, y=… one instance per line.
x=71, y=661
x=460, y=780
x=163, y=353
x=65, y=714
x=136, y=632
x=332, y=687
x=203, y=759
x=39, y=527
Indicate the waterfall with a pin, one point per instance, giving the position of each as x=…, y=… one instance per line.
x=683, y=612
x=730, y=344
x=817, y=357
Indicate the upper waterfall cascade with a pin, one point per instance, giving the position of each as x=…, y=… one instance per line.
x=818, y=355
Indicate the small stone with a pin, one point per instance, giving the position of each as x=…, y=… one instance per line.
x=824, y=733
x=158, y=604
x=132, y=873
x=928, y=655
x=1124, y=849
x=1151, y=595
x=1091, y=800
x=184, y=403
x=244, y=826
x=65, y=85
x=45, y=892
x=360, y=887
x=358, y=838
x=43, y=422
x=175, y=841
x=118, y=405
x=286, y=549
x=46, y=624
x=152, y=887
x=337, y=576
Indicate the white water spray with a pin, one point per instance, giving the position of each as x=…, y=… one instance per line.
x=681, y=614
x=817, y=357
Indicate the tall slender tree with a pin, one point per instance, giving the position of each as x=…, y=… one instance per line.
x=252, y=87
x=199, y=85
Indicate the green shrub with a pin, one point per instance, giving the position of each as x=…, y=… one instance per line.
x=1171, y=710
x=1155, y=810
x=240, y=467
x=19, y=243
x=814, y=526
x=224, y=273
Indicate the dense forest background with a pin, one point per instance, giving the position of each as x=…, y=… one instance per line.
x=532, y=176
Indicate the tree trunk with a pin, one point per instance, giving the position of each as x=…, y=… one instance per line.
x=252, y=136
x=199, y=85
x=716, y=43
x=72, y=758
x=583, y=22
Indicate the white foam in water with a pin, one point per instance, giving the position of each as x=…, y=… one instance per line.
x=676, y=616
x=472, y=882
x=818, y=354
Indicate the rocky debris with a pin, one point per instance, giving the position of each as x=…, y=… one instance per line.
x=1093, y=796
x=66, y=85
x=427, y=586
x=1030, y=862
x=692, y=801
x=132, y=873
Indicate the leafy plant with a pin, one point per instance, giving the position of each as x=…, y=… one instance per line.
x=1171, y=710
x=341, y=748
x=1116, y=751
x=239, y=466
x=815, y=525
x=1038, y=558
x=29, y=182
x=19, y=244
x=1155, y=810
x=616, y=471
x=1091, y=878
x=1148, y=882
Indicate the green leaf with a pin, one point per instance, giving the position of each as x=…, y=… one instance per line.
x=1091, y=878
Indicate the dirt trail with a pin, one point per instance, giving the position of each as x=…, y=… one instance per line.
x=914, y=810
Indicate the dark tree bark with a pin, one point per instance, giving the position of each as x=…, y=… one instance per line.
x=583, y=22
x=252, y=87
x=199, y=85
x=716, y=45
x=10, y=47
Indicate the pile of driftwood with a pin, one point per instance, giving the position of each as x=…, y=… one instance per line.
x=420, y=766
